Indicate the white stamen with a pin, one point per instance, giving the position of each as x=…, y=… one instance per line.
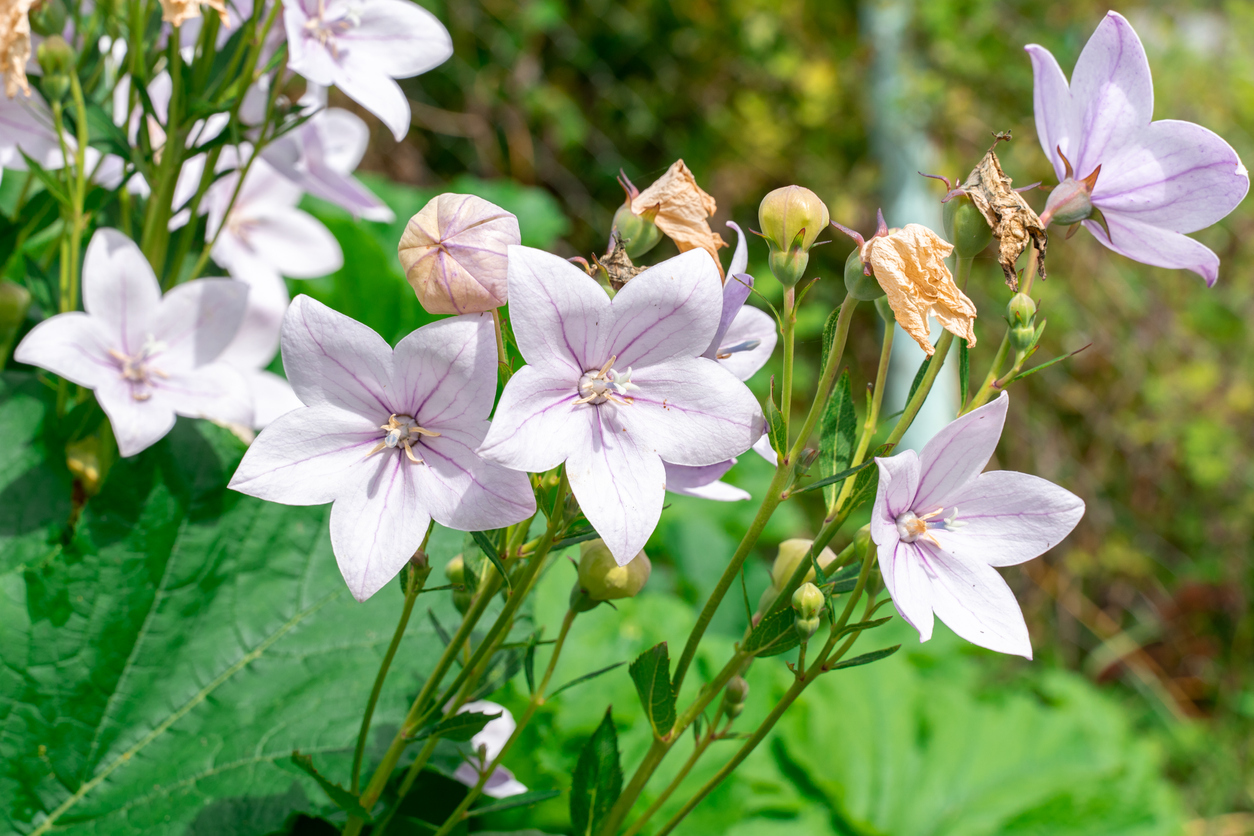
x=912, y=527
x=606, y=384
x=138, y=370
x=399, y=431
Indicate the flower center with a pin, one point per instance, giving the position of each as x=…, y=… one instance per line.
x=325, y=29
x=137, y=370
x=402, y=431
x=606, y=384
x=911, y=527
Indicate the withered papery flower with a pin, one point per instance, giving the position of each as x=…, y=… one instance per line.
x=454, y=254
x=682, y=210
x=1012, y=220
x=15, y=45
x=910, y=265
x=178, y=12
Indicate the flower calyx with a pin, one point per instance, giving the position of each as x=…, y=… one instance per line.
x=1071, y=201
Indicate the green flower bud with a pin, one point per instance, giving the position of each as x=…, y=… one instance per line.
x=808, y=601
x=14, y=302
x=789, y=557
x=48, y=18
x=455, y=571
x=56, y=59
x=885, y=310
x=860, y=286
x=1021, y=312
x=791, y=219
x=638, y=233
x=966, y=227
x=602, y=579
x=737, y=693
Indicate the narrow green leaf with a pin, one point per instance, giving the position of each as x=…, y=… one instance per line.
x=459, y=728
x=525, y=799
x=838, y=434
x=775, y=634
x=863, y=625
x=489, y=550
x=506, y=663
x=841, y=587
x=50, y=181
x=868, y=480
x=918, y=377
x=866, y=658
x=964, y=373
x=529, y=661
x=598, y=780
x=340, y=797
x=582, y=679
x=652, y=674
x=829, y=334
x=439, y=628
x=105, y=135
x=833, y=479
x=775, y=428
x=574, y=539
x=1045, y=365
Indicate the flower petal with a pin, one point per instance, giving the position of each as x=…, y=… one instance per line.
x=402, y=38
x=295, y=243
x=502, y=784
x=1156, y=246
x=620, y=485
x=1177, y=176
x=464, y=491
x=272, y=397
x=956, y=455
x=257, y=340
x=309, y=456
x=196, y=321
x=974, y=601
x=670, y=310
x=690, y=411
x=556, y=310
x=377, y=93
x=73, y=345
x=681, y=478
x=537, y=424
x=735, y=292
x=748, y=343
x=214, y=391
x=332, y=359
x=905, y=576
x=137, y=425
x=1055, y=117
x=894, y=495
x=740, y=257
x=445, y=373
x=377, y=524
x=1111, y=91
x=1009, y=518
x=119, y=288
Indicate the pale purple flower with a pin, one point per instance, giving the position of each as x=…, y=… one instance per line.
x=616, y=388
x=147, y=357
x=362, y=46
x=26, y=127
x=744, y=341
x=321, y=155
x=941, y=526
x=1157, y=180
x=388, y=436
x=485, y=746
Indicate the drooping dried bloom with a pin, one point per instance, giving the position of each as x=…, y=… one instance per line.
x=1013, y=222
x=15, y=45
x=682, y=210
x=942, y=527
x=177, y=12
x=453, y=252
x=909, y=264
x=1152, y=182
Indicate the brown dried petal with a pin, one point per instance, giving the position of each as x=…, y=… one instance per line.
x=910, y=265
x=454, y=254
x=682, y=210
x=14, y=45
x=177, y=12
x=1014, y=223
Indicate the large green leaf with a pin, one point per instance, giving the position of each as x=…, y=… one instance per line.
x=159, y=662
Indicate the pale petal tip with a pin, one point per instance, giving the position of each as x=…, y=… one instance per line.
x=1242, y=171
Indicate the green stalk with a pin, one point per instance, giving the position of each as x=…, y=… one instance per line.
x=828, y=376
x=789, y=329
x=697, y=751
x=872, y=416
x=155, y=240
x=981, y=395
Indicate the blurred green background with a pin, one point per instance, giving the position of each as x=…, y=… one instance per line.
x=1148, y=601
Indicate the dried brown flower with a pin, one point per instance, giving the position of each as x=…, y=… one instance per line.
x=1014, y=223
x=909, y=264
x=682, y=211
x=15, y=45
x=176, y=12
x=617, y=265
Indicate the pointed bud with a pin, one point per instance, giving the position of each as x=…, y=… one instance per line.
x=602, y=579
x=1021, y=312
x=1070, y=202
x=858, y=282
x=807, y=602
x=737, y=694
x=455, y=571
x=791, y=219
x=966, y=226
x=56, y=59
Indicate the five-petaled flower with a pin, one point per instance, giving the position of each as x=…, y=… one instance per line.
x=1152, y=181
x=388, y=436
x=362, y=47
x=616, y=388
x=147, y=356
x=941, y=526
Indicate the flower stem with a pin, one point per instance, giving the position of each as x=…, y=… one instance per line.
x=789, y=328
x=925, y=387
x=872, y=416
x=502, y=357
x=417, y=579
x=827, y=377
x=697, y=751
x=986, y=388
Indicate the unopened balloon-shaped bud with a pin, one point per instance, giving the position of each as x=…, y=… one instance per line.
x=791, y=219
x=14, y=302
x=454, y=253
x=789, y=557
x=602, y=579
x=965, y=227
x=807, y=603
x=859, y=281
x=455, y=571
x=736, y=695
x=638, y=233
x=47, y=18
x=56, y=59
x=1021, y=312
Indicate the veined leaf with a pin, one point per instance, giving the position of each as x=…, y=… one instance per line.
x=598, y=780
x=775, y=634
x=838, y=434
x=459, y=728
x=652, y=674
x=340, y=797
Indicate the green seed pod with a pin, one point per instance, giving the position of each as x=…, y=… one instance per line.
x=860, y=286
x=638, y=234
x=48, y=18
x=965, y=227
